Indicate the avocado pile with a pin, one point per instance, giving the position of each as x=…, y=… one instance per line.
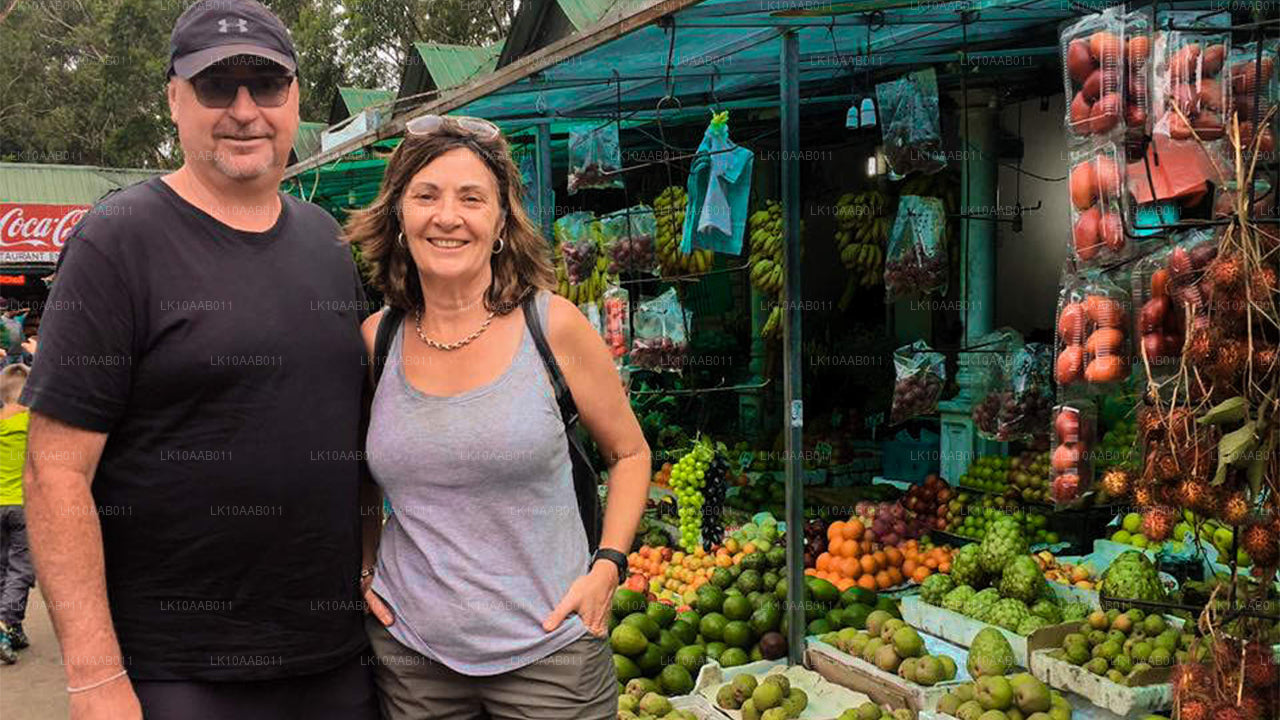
x=636, y=703
x=1000, y=697
x=772, y=698
x=894, y=647
x=827, y=610
x=1119, y=646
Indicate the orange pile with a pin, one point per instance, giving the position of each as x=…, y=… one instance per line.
x=852, y=560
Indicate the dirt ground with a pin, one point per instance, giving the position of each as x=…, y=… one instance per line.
x=35, y=687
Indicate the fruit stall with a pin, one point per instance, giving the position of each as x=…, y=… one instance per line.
x=936, y=435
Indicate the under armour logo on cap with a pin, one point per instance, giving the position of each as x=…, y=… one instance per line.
x=239, y=23
x=212, y=31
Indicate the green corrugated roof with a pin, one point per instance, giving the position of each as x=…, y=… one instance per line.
x=64, y=184
x=584, y=13
x=351, y=100
x=307, y=141
x=451, y=65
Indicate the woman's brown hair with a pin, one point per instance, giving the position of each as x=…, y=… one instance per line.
x=524, y=263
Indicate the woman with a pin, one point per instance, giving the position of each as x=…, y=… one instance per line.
x=484, y=599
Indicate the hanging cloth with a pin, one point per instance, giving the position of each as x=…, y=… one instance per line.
x=719, y=188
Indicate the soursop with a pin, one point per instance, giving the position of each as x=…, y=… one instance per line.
x=955, y=600
x=1031, y=624
x=1022, y=580
x=1132, y=577
x=981, y=603
x=1008, y=613
x=1073, y=611
x=936, y=587
x=1002, y=543
x=966, y=570
x=1048, y=611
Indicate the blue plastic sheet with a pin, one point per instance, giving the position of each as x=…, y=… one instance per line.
x=719, y=188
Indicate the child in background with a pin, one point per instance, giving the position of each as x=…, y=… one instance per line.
x=16, y=572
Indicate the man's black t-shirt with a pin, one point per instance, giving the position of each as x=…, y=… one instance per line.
x=227, y=369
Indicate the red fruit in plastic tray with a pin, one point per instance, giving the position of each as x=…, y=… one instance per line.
x=1105, y=47
x=1104, y=369
x=1065, y=457
x=1083, y=185
x=1092, y=88
x=1153, y=345
x=1244, y=76
x=1160, y=283
x=1210, y=94
x=1079, y=61
x=1108, y=176
x=1070, y=362
x=1067, y=426
x=1081, y=112
x=1153, y=314
x=1135, y=115
x=1179, y=262
x=1066, y=488
x=1182, y=64
x=1139, y=49
x=1104, y=312
x=1211, y=62
x=1111, y=231
x=1178, y=128
x=1185, y=98
x=1071, y=323
x=1085, y=234
x=1106, y=112
x=1208, y=126
x=1104, y=341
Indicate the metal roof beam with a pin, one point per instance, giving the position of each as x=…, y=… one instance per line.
x=570, y=46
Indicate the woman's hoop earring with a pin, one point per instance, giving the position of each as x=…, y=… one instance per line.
x=500, y=244
x=400, y=238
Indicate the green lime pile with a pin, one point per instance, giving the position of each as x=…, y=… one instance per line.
x=1117, y=448
x=977, y=513
x=871, y=711
x=1130, y=533
x=894, y=647
x=827, y=610
x=1118, y=645
x=772, y=698
x=1005, y=697
x=989, y=473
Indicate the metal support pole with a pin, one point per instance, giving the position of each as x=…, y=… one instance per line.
x=546, y=195
x=789, y=83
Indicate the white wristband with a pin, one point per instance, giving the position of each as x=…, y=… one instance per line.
x=100, y=683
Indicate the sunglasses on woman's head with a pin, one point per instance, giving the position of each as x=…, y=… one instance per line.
x=219, y=91
x=429, y=124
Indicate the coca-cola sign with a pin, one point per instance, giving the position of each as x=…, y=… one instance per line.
x=35, y=232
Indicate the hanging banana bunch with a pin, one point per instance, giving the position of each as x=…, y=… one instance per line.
x=862, y=230
x=668, y=214
x=587, y=291
x=765, y=238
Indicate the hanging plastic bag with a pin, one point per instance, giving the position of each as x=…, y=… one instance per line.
x=719, y=188
x=920, y=374
x=1255, y=90
x=660, y=341
x=1028, y=407
x=1074, y=431
x=578, y=245
x=1092, y=70
x=627, y=237
x=1098, y=204
x=909, y=124
x=594, y=153
x=991, y=366
x=616, y=322
x=916, y=262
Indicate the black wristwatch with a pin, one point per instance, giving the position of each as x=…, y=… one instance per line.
x=614, y=557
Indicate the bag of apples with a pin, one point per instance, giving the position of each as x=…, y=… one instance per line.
x=1074, y=433
x=1092, y=355
x=1191, y=95
x=991, y=363
x=1025, y=412
x=1098, y=204
x=1166, y=291
x=920, y=374
x=1093, y=72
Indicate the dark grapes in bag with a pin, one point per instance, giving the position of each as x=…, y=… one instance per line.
x=921, y=373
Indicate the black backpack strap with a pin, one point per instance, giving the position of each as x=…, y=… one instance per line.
x=387, y=324
x=585, y=478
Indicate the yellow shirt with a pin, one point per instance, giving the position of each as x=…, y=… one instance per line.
x=13, y=450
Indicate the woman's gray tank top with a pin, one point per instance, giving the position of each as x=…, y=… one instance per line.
x=484, y=537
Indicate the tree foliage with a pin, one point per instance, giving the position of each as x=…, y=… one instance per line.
x=82, y=81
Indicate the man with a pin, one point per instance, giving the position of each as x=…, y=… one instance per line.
x=194, y=477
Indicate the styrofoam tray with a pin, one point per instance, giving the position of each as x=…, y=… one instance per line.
x=1119, y=699
x=826, y=700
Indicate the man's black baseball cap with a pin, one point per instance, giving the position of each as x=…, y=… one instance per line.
x=211, y=31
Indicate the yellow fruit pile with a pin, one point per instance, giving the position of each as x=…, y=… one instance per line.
x=668, y=216
x=764, y=238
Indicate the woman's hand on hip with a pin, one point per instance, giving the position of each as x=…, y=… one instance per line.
x=374, y=605
x=590, y=596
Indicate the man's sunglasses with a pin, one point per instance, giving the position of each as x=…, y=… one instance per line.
x=430, y=124
x=219, y=91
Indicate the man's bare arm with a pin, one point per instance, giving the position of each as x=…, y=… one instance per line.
x=66, y=541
